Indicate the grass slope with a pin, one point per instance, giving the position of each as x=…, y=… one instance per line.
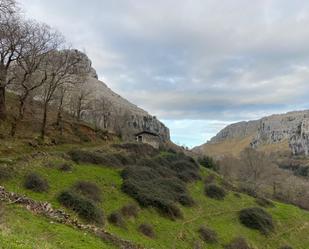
x=292, y=223
x=20, y=229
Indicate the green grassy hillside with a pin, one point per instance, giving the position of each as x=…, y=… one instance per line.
x=22, y=229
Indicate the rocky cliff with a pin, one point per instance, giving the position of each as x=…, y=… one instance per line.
x=291, y=127
x=120, y=116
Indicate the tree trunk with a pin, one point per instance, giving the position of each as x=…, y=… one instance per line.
x=43, y=128
x=20, y=117
x=3, y=78
x=2, y=103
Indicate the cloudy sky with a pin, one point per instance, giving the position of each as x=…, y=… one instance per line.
x=196, y=64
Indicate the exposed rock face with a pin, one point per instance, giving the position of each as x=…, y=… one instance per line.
x=276, y=128
x=299, y=142
x=123, y=117
x=237, y=130
x=292, y=127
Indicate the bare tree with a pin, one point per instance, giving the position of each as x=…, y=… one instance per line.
x=61, y=68
x=8, y=7
x=28, y=71
x=13, y=38
x=80, y=100
x=100, y=113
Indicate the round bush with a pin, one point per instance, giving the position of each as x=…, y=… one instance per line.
x=116, y=219
x=147, y=230
x=65, y=167
x=89, y=190
x=208, y=235
x=257, y=218
x=85, y=208
x=130, y=210
x=36, y=183
x=238, y=243
x=215, y=192
x=263, y=202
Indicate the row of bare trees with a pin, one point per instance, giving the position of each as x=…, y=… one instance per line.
x=258, y=173
x=36, y=64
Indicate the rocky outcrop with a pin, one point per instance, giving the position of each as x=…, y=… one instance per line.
x=236, y=131
x=299, y=142
x=277, y=128
x=291, y=127
x=122, y=116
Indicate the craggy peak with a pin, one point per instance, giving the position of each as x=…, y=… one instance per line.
x=154, y=124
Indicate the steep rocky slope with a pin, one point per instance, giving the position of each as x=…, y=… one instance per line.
x=289, y=130
x=123, y=117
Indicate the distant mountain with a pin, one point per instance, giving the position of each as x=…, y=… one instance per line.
x=289, y=131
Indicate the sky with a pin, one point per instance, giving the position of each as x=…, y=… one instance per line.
x=198, y=65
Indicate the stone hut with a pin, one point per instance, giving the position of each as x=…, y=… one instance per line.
x=148, y=137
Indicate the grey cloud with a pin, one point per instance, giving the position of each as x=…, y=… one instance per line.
x=200, y=59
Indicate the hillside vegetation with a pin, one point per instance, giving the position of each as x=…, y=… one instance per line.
x=291, y=224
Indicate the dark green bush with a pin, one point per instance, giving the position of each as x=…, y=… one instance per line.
x=208, y=235
x=238, y=243
x=257, y=218
x=116, y=219
x=89, y=190
x=286, y=247
x=214, y=191
x=85, y=208
x=161, y=182
x=36, y=183
x=138, y=149
x=208, y=162
x=65, y=167
x=147, y=230
x=263, y=202
x=211, y=178
x=158, y=192
x=130, y=210
x=95, y=157
x=6, y=172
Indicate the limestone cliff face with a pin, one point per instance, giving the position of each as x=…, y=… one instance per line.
x=236, y=131
x=122, y=116
x=292, y=127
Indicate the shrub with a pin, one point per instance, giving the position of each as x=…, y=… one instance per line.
x=130, y=210
x=138, y=149
x=286, y=247
x=160, y=182
x=89, y=190
x=2, y=213
x=215, y=192
x=116, y=219
x=36, y=183
x=256, y=218
x=157, y=192
x=208, y=235
x=85, y=208
x=147, y=230
x=263, y=202
x=65, y=167
x=208, y=162
x=237, y=195
x=6, y=172
x=210, y=179
x=238, y=243
x=94, y=157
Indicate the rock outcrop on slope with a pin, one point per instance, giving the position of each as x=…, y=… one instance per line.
x=236, y=131
x=123, y=117
x=291, y=127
